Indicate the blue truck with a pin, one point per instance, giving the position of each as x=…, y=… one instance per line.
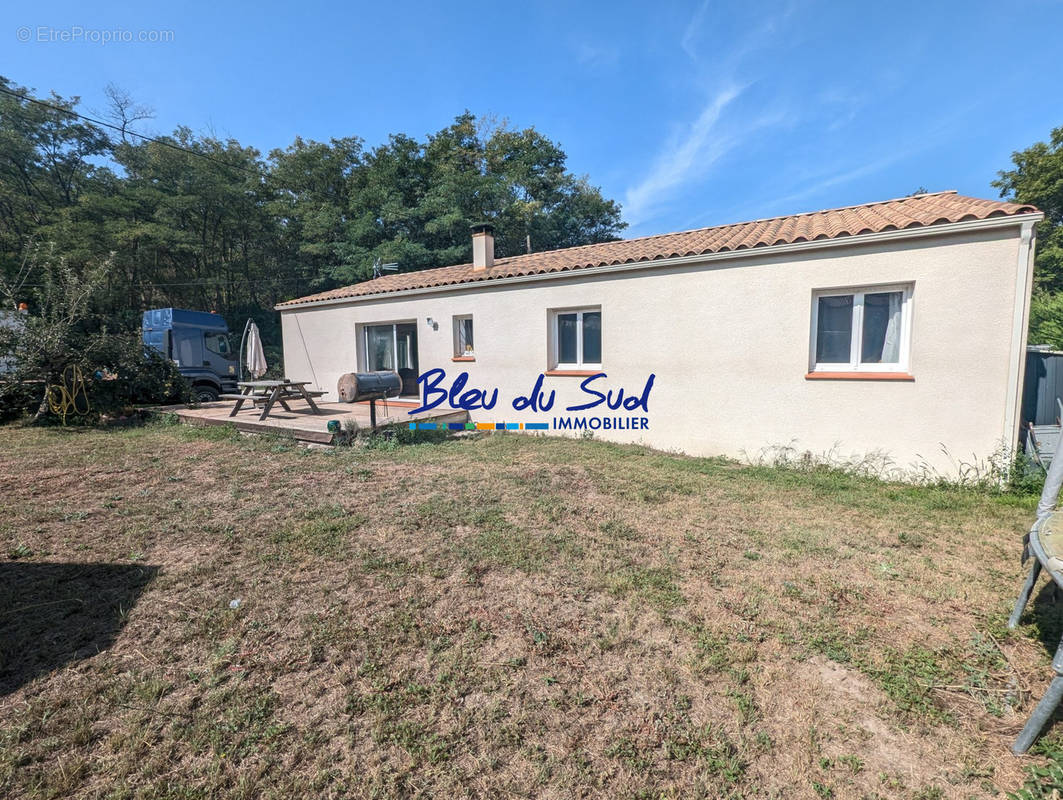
x=198, y=342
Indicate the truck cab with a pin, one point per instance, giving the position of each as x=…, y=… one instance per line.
x=198, y=342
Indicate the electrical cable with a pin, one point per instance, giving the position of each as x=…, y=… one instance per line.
x=161, y=142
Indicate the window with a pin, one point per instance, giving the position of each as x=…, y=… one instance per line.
x=218, y=343
x=393, y=347
x=577, y=338
x=865, y=330
x=463, y=344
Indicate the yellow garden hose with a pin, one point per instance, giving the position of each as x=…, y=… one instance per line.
x=69, y=396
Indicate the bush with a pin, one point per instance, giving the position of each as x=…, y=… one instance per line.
x=63, y=338
x=18, y=398
x=120, y=372
x=1025, y=476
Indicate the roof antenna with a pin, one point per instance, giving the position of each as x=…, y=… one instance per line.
x=379, y=269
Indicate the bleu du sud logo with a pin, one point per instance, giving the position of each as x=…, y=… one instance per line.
x=599, y=407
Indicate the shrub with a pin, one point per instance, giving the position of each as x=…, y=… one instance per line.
x=18, y=398
x=121, y=372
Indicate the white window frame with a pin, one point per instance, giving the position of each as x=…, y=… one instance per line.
x=364, y=333
x=458, y=352
x=854, y=364
x=555, y=338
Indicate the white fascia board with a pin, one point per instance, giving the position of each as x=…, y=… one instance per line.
x=753, y=252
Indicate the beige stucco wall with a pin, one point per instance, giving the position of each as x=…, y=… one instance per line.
x=729, y=343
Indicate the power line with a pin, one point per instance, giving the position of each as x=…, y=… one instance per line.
x=161, y=142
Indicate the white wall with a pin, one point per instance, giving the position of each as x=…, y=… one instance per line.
x=729, y=343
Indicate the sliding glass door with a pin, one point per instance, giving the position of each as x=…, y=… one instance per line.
x=393, y=348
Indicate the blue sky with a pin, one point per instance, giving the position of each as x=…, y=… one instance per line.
x=688, y=113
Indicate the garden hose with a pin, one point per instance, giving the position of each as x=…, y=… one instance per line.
x=69, y=396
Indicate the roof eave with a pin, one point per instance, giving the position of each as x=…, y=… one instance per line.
x=941, y=229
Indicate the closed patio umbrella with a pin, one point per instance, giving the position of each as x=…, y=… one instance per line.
x=255, y=358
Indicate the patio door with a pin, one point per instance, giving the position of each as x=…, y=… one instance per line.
x=394, y=348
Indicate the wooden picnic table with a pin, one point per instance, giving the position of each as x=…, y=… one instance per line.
x=268, y=393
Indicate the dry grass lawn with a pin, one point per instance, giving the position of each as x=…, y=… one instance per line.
x=503, y=616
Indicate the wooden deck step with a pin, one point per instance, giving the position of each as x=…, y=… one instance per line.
x=301, y=423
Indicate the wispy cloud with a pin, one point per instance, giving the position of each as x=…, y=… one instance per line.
x=843, y=177
x=751, y=40
x=694, y=146
x=936, y=134
x=597, y=56
x=693, y=29
x=841, y=106
x=688, y=153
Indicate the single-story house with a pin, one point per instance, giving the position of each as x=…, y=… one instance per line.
x=895, y=328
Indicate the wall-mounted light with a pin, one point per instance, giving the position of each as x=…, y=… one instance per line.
x=432, y=323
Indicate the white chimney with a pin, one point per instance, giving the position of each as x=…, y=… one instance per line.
x=483, y=246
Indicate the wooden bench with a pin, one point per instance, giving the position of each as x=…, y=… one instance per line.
x=266, y=393
x=257, y=399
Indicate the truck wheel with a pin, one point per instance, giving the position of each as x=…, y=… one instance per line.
x=205, y=394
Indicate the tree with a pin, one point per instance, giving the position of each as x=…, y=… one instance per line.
x=413, y=203
x=123, y=110
x=196, y=221
x=1038, y=179
x=45, y=168
x=63, y=330
x=310, y=184
x=50, y=336
x=196, y=228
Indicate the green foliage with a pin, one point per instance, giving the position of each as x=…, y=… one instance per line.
x=133, y=224
x=236, y=233
x=1046, y=318
x=45, y=340
x=38, y=345
x=46, y=169
x=906, y=677
x=61, y=330
x=1025, y=477
x=399, y=434
x=413, y=202
x=1043, y=782
x=127, y=374
x=1038, y=179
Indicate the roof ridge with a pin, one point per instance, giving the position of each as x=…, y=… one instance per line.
x=798, y=215
x=898, y=214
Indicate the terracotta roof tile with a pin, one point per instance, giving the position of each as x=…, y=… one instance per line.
x=917, y=211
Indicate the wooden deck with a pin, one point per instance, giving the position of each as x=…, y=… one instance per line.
x=303, y=424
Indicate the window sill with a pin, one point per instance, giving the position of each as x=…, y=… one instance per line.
x=859, y=376
x=463, y=358
x=572, y=373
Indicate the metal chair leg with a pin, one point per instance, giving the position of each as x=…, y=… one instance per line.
x=1024, y=595
x=1039, y=716
x=1048, y=704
